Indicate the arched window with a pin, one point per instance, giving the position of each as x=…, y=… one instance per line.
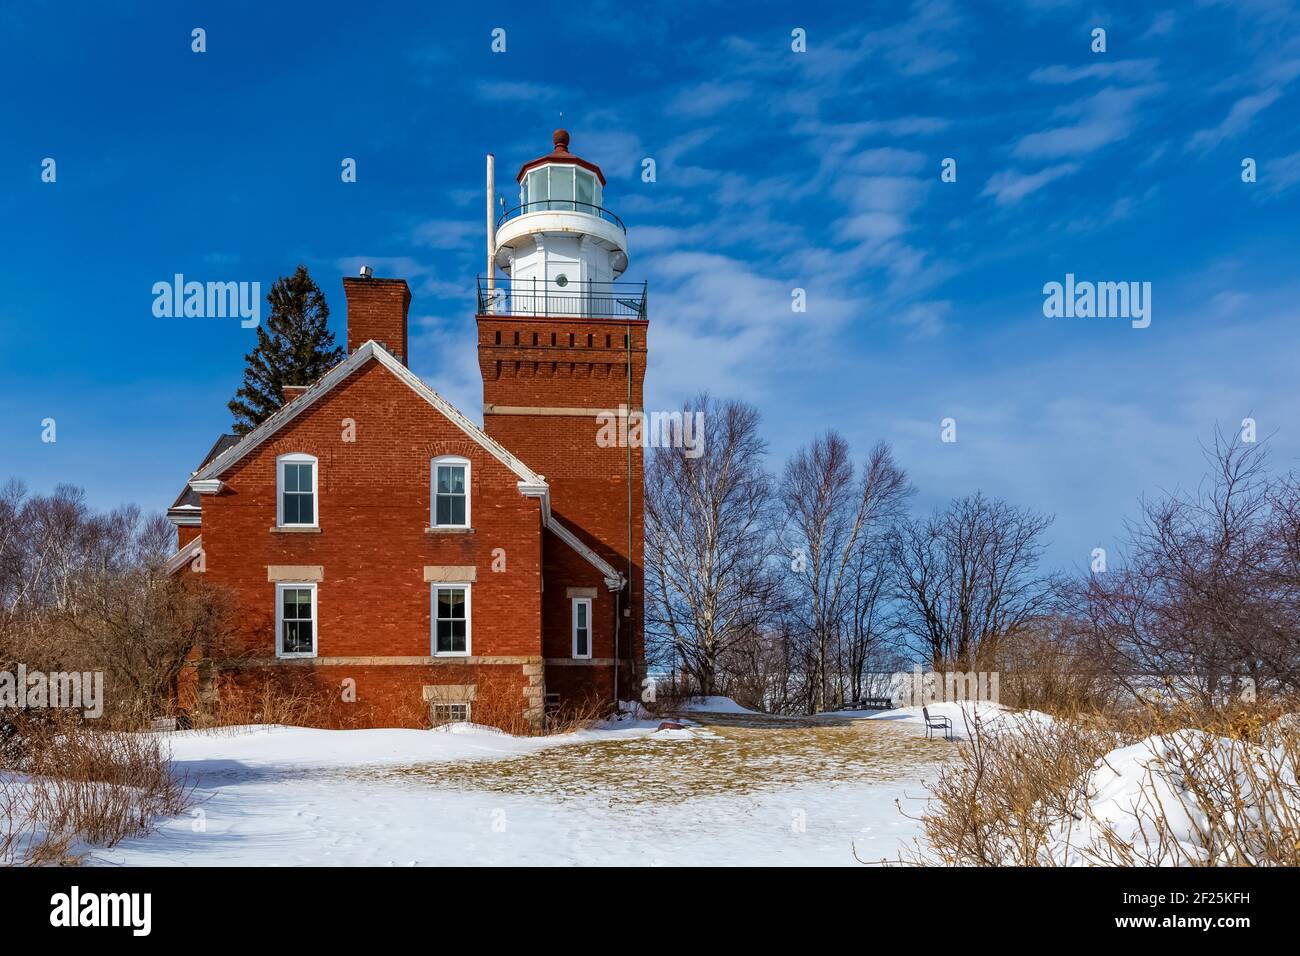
x=296, y=491
x=450, y=493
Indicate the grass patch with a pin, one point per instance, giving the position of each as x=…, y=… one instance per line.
x=736, y=757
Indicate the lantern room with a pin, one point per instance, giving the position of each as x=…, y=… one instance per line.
x=560, y=237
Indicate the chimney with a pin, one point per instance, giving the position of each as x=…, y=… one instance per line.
x=377, y=309
x=290, y=392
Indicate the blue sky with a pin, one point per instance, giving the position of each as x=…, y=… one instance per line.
x=775, y=170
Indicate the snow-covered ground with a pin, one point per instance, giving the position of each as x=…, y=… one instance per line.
x=617, y=794
x=713, y=705
x=965, y=717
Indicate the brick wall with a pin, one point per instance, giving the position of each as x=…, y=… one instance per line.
x=544, y=365
x=373, y=509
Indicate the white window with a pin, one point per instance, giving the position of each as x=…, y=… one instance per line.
x=295, y=620
x=585, y=184
x=557, y=186
x=296, y=491
x=537, y=191
x=451, y=620
x=450, y=713
x=582, y=627
x=561, y=187
x=450, y=504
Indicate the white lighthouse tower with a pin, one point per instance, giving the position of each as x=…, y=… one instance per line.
x=559, y=247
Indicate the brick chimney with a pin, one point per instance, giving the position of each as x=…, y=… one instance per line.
x=377, y=309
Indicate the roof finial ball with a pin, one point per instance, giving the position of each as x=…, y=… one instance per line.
x=561, y=140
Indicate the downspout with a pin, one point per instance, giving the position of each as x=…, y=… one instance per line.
x=627, y=340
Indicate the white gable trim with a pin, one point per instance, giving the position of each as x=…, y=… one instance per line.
x=613, y=580
x=184, y=556
x=371, y=349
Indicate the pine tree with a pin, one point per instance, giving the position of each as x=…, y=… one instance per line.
x=294, y=347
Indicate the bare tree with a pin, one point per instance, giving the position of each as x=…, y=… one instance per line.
x=708, y=541
x=967, y=576
x=1210, y=594
x=89, y=592
x=831, y=515
x=866, y=613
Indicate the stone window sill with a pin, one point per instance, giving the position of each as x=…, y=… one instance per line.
x=448, y=530
x=291, y=530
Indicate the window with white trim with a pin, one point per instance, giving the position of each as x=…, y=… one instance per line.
x=295, y=620
x=296, y=481
x=451, y=713
x=450, y=493
x=451, y=619
x=582, y=627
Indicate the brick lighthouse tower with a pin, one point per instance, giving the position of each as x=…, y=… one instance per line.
x=561, y=342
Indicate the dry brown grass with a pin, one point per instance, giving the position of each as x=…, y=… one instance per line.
x=62, y=781
x=729, y=757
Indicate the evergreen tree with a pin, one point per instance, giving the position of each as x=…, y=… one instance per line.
x=294, y=347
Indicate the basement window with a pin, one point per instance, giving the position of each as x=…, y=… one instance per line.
x=450, y=505
x=582, y=627
x=296, y=484
x=450, y=713
x=295, y=620
x=451, y=620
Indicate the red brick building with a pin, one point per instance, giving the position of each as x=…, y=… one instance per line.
x=376, y=538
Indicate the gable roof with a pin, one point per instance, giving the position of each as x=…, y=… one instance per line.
x=371, y=349
x=187, y=506
x=230, y=449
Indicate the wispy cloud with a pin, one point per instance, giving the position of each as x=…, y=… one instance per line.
x=708, y=99
x=1103, y=118
x=1009, y=187
x=1128, y=71
x=515, y=91
x=1239, y=118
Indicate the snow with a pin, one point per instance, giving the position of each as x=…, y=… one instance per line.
x=713, y=705
x=1126, y=792
x=965, y=716
x=294, y=796
x=236, y=749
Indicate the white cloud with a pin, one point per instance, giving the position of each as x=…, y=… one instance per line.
x=707, y=99
x=1102, y=118
x=1127, y=71
x=1237, y=121
x=1011, y=186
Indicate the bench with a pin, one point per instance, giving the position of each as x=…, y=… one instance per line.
x=936, y=723
x=870, y=703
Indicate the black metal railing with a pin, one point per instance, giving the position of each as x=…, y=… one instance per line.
x=570, y=297
x=561, y=205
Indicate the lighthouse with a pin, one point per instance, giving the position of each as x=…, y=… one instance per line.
x=560, y=248
x=562, y=345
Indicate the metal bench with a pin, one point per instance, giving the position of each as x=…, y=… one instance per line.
x=869, y=703
x=936, y=723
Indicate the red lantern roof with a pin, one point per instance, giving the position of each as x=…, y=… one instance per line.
x=560, y=154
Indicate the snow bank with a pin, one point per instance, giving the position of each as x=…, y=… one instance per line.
x=713, y=705
x=965, y=716
x=1139, y=797
x=280, y=747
